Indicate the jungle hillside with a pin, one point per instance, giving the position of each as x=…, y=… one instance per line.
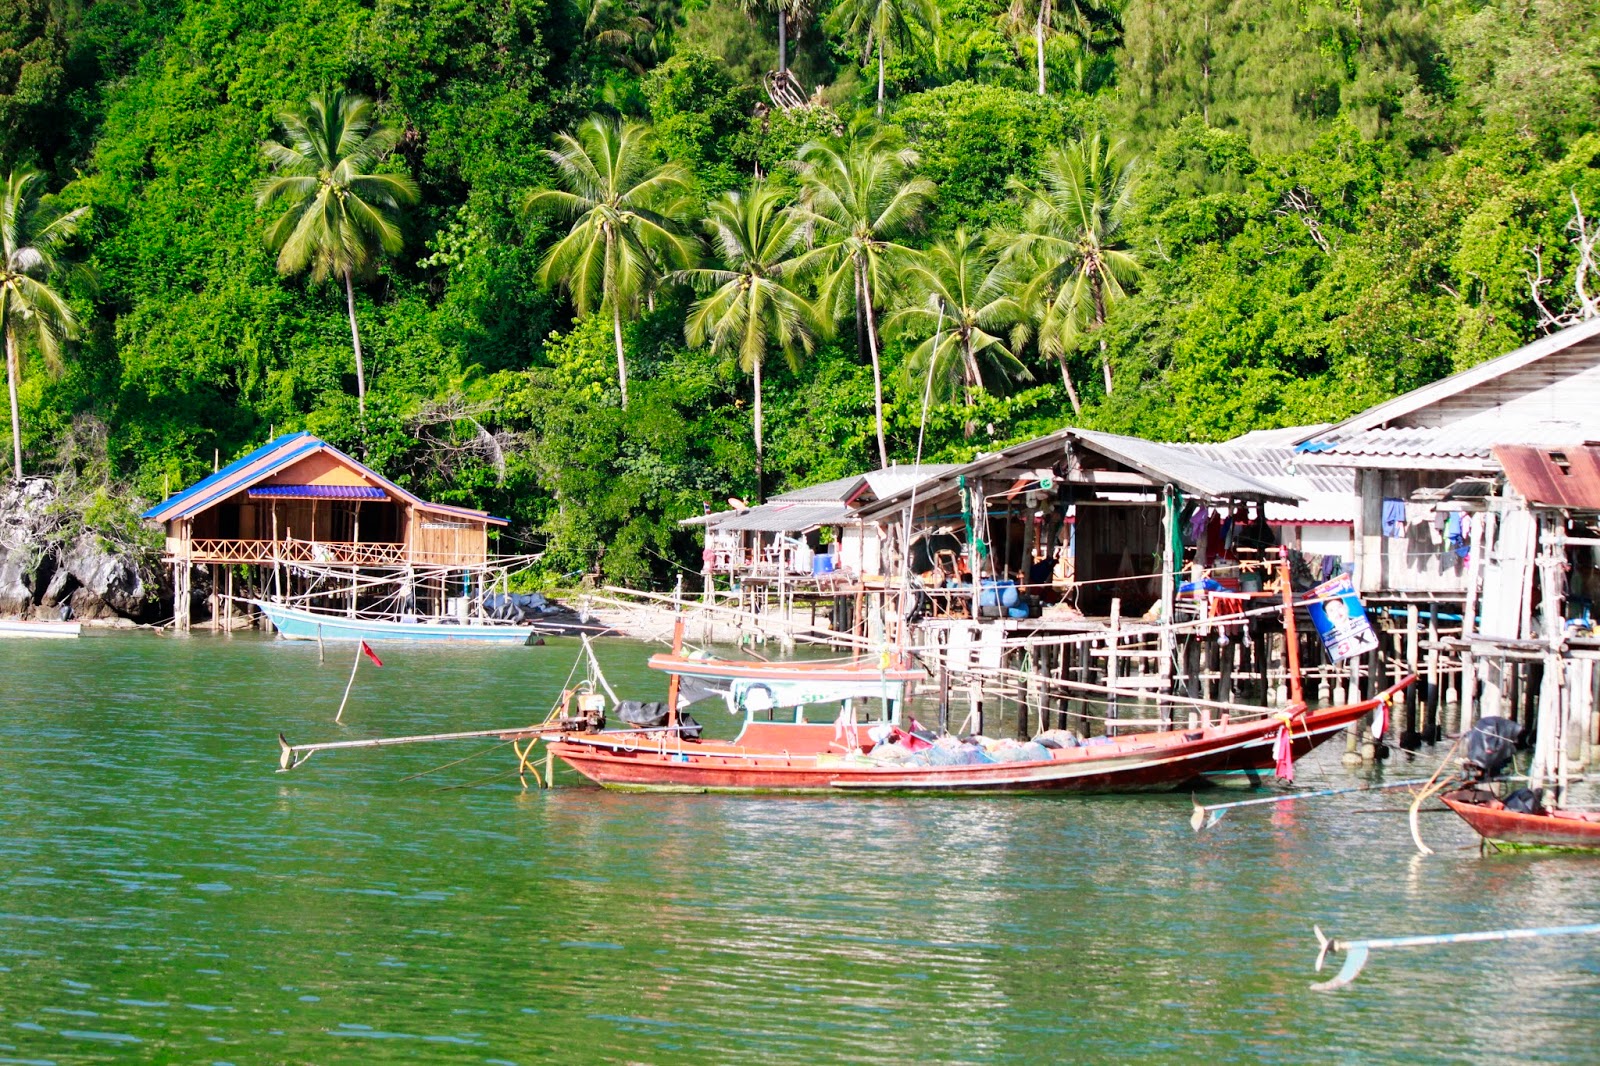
x=597, y=265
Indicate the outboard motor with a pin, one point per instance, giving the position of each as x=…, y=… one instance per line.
x=1490, y=744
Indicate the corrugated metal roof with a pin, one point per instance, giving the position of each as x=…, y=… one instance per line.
x=1193, y=475
x=890, y=480
x=785, y=517
x=883, y=482
x=1469, y=444
x=317, y=492
x=1328, y=493
x=828, y=491
x=1406, y=403
x=1536, y=474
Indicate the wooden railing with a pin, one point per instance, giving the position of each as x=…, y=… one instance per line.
x=335, y=553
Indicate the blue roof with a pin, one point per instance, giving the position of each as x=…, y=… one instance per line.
x=249, y=470
x=200, y=488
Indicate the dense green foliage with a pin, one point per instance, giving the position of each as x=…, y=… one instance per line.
x=1330, y=203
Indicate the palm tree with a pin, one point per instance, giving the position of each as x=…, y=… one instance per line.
x=752, y=303
x=965, y=304
x=1051, y=18
x=339, y=217
x=797, y=10
x=617, y=30
x=857, y=194
x=1071, y=228
x=875, y=22
x=624, y=233
x=30, y=240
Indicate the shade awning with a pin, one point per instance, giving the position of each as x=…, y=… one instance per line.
x=317, y=492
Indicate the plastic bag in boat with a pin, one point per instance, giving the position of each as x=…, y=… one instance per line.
x=653, y=715
x=1490, y=744
x=1524, y=801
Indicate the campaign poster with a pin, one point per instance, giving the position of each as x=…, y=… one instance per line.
x=1340, y=619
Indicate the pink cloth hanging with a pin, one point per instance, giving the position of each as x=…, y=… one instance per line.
x=1283, y=754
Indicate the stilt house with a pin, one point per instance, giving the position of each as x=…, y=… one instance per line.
x=299, y=502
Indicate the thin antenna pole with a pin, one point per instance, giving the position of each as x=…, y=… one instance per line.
x=922, y=432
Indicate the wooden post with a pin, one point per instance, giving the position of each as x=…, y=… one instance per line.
x=673, y=680
x=1291, y=635
x=1113, y=666
x=1413, y=665
x=1169, y=587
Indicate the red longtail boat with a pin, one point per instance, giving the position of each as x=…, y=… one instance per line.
x=1556, y=828
x=815, y=757
x=842, y=757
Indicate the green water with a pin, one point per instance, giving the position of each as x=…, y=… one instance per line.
x=166, y=897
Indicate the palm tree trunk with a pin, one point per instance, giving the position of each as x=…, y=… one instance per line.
x=974, y=380
x=761, y=487
x=1038, y=42
x=355, y=341
x=16, y=419
x=877, y=371
x=1066, y=379
x=880, y=75
x=1099, y=322
x=783, y=42
x=622, y=362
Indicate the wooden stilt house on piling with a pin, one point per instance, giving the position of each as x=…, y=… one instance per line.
x=1024, y=567
x=298, y=514
x=1434, y=559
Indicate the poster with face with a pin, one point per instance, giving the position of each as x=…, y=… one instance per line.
x=1340, y=619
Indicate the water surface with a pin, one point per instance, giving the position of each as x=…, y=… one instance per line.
x=165, y=896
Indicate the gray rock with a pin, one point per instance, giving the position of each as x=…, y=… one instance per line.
x=110, y=577
x=37, y=564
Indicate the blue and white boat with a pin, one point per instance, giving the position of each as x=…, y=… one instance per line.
x=297, y=623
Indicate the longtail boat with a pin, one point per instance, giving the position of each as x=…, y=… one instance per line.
x=297, y=623
x=1555, y=828
x=16, y=627
x=803, y=756
x=817, y=757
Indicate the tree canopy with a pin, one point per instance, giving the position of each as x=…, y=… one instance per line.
x=1326, y=204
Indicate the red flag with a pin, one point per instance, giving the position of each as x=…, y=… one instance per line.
x=369, y=653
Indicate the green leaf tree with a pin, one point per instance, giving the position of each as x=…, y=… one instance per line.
x=625, y=234
x=877, y=25
x=1070, y=244
x=31, y=240
x=858, y=194
x=340, y=217
x=964, y=304
x=752, y=303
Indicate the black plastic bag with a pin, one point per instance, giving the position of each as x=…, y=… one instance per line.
x=1524, y=801
x=1490, y=744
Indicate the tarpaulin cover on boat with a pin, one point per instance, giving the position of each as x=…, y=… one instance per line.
x=654, y=716
x=1490, y=744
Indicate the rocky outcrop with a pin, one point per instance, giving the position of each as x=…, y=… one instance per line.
x=49, y=561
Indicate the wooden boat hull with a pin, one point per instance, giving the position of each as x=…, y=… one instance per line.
x=293, y=623
x=644, y=761
x=1526, y=830
x=49, y=630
